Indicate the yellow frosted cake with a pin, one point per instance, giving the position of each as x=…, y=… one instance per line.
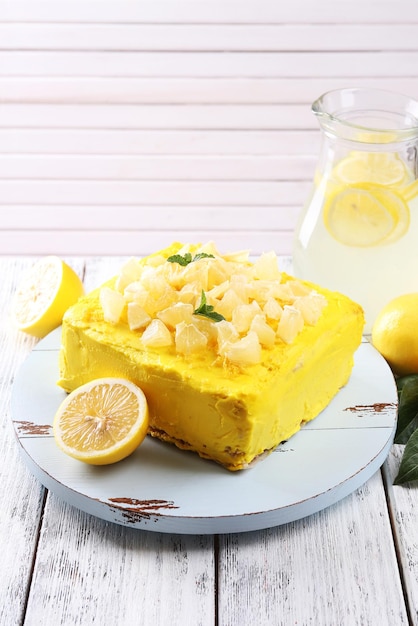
x=233, y=355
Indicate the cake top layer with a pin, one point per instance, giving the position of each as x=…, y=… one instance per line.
x=195, y=299
x=194, y=305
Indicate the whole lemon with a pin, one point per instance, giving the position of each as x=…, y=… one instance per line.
x=395, y=334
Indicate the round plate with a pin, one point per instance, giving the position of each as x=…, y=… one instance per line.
x=164, y=489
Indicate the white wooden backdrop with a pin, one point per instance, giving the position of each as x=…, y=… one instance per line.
x=126, y=124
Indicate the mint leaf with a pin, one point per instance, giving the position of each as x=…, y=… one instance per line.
x=408, y=408
x=181, y=260
x=187, y=258
x=408, y=469
x=207, y=310
x=202, y=255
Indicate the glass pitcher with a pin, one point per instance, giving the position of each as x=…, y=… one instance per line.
x=358, y=232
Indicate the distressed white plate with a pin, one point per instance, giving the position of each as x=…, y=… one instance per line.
x=161, y=488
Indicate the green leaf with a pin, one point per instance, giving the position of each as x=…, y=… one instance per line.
x=187, y=258
x=408, y=469
x=181, y=260
x=207, y=310
x=202, y=255
x=408, y=408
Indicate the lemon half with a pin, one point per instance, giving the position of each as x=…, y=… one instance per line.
x=102, y=422
x=45, y=293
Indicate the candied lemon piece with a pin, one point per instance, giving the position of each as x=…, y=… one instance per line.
x=173, y=315
x=266, y=267
x=245, y=351
x=137, y=316
x=229, y=302
x=244, y=314
x=102, y=422
x=189, y=339
x=113, y=304
x=311, y=307
x=290, y=324
x=226, y=333
x=157, y=335
x=272, y=309
x=265, y=333
x=129, y=273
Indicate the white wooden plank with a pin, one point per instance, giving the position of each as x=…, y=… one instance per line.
x=151, y=218
x=157, y=116
x=355, y=64
x=258, y=90
x=214, y=167
x=132, y=141
x=20, y=495
x=270, y=578
x=404, y=510
x=154, y=193
x=88, y=571
x=135, y=242
x=215, y=37
x=217, y=11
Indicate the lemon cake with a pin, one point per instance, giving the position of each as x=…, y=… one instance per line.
x=232, y=355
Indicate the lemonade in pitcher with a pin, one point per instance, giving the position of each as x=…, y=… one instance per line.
x=358, y=233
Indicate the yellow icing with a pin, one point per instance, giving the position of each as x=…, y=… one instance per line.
x=199, y=402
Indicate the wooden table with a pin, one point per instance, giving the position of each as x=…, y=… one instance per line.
x=353, y=563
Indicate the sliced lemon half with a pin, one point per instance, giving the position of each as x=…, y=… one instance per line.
x=366, y=215
x=43, y=296
x=102, y=422
x=372, y=167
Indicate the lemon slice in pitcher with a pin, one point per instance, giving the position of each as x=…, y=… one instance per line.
x=370, y=167
x=366, y=215
x=410, y=191
x=102, y=422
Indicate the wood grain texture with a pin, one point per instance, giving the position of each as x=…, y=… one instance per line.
x=35, y=141
x=139, y=242
x=404, y=512
x=21, y=495
x=158, y=116
x=189, y=90
x=173, y=167
x=200, y=80
x=203, y=37
x=167, y=192
x=89, y=571
x=218, y=11
x=148, y=217
x=335, y=567
x=348, y=65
